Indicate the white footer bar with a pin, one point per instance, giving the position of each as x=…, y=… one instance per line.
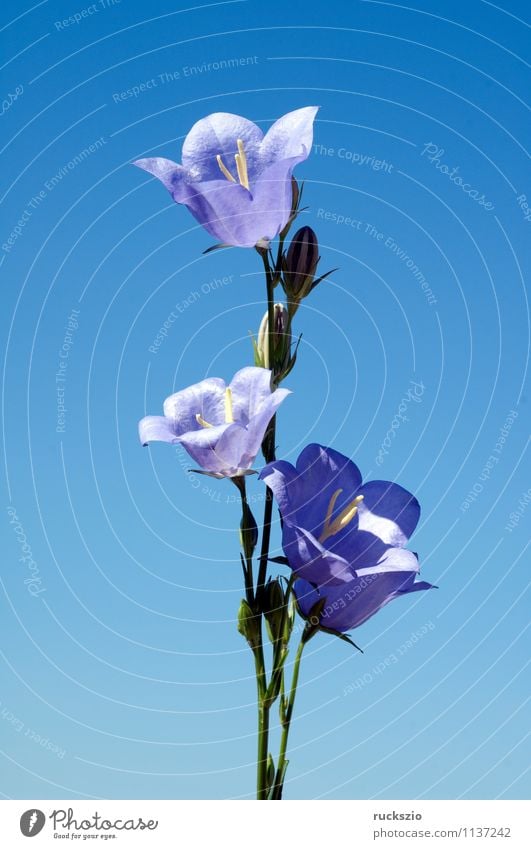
x=245, y=825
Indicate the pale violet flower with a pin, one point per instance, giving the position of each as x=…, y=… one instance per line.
x=221, y=427
x=235, y=180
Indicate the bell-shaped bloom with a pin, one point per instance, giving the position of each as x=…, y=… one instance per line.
x=235, y=180
x=344, y=539
x=221, y=427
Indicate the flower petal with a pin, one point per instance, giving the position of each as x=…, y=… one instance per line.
x=310, y=560
x=272, y=195
x=217, y=134
x=350, y=605
x=323, y=472
x=240, y=217
x=225, y=210
x=195, y=196
x=362, y=549
x=213, y=448
x=248, y=439
x=206, y=398
x=393, y=560
x=258, y=423
x=171, y=175
x=283, y=480
x=156, y=429
x=290, y=136
x=250, y=387
x=389, y=511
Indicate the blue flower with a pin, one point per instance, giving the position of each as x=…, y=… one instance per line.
x=345, y=540
x=221, y=427
x=234, y=180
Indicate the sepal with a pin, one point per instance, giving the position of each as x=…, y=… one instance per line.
x=249, y=624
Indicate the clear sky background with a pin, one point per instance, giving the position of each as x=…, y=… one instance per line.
x=123, y=675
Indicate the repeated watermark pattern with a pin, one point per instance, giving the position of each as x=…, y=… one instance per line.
x=149, y=76
x=413, y=395
x=71, y=327
x=33, y=579
x=390, y=660
x=515, y=516
x=435, y=155
x=83, y=14
x=49, y=185
x=523, y=203
x=183, y=73
x=20, y=727
x=76, y=160
x=11, y=98
x=366, y=160
x=491, y=462
x=184, y=304
x=388, y=241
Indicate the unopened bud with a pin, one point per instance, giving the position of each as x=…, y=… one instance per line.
x=281, y=340
x=274, y=609
x=295, y=200
x=248, y=532
x=248, y=624
x=300, y=264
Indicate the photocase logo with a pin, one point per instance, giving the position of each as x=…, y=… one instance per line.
x=32, y=822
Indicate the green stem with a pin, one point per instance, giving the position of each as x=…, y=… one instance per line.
x=268, y=449
x=263, y=724
x=286, y=723
x=246, y=524
x=268, y=446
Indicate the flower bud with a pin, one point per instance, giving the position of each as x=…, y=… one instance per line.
x=274, y=609
x=300, y=264
x=248, y=624
x=248, y=532
x=295, y=201
x=281, y=341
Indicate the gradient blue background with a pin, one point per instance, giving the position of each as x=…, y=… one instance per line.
x=129, y=660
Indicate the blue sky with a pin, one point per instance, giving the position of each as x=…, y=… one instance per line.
x=123, y=674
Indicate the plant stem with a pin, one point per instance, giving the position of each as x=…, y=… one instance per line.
x=268, y=445
x=263, y=724
x=268, y=448
x=286, y=722
x=246, y=523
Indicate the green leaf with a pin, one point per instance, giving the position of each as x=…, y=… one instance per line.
x=216, y=248
x=270, y=777
x=344, y=637
x=283, y=561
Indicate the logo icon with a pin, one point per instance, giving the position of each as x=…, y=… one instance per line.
x=32, y=822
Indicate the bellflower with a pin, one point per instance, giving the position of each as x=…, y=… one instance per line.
x=221, y=427
x=344, y=539
x=234, y=180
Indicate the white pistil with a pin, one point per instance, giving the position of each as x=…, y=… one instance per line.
x=224, y=170
x=200, y=420
x=341, y=521
x=241, y=165
x=229, y=416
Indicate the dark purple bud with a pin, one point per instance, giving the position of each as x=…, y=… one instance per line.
x=300, y=263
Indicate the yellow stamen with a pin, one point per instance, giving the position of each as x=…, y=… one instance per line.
x=224, y=170
x=200, y=420
x=229, y=417
x=241, y=165
x=330, y=510
x=341, y=521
